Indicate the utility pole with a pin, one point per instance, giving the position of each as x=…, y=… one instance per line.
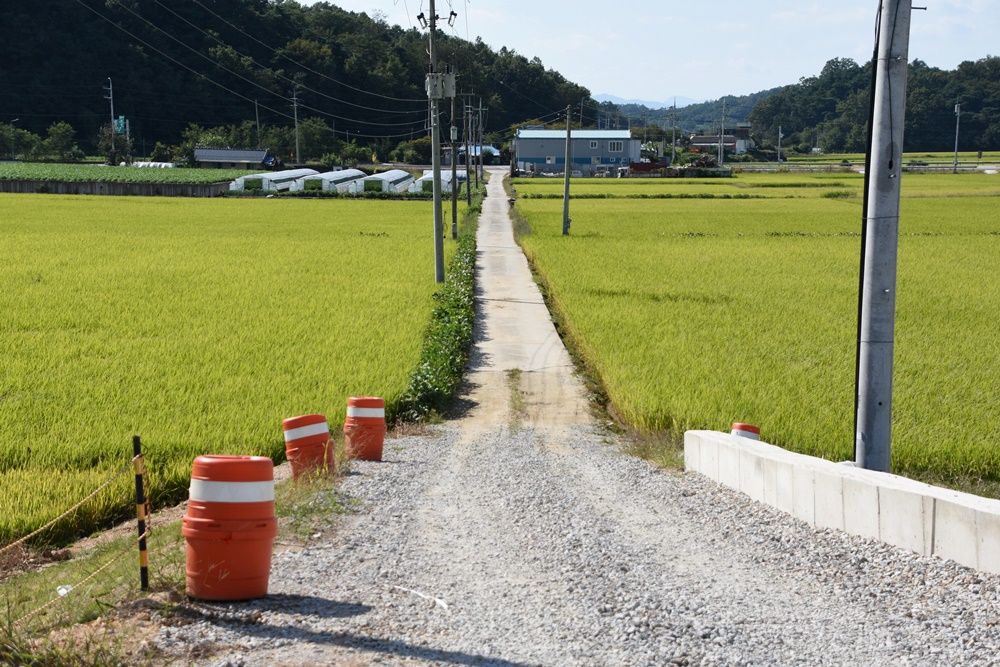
x=569, y=159
x=295, y=110
x=673, y=134
x=111, y=97
x=481, y=133
x=454, y=173
x=466, y=117
x=435, y=95
x=256, y=111
x=722, y=136
x=12, y=157
x=958, y=114
x=878, y=299
x=475, y=135
x=779, y=146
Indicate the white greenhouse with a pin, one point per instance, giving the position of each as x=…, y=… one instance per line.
x=426, y=182
x=339, y=180
x=394, y=180
x=270, y=181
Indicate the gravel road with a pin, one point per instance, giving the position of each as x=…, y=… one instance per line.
x=515, y=538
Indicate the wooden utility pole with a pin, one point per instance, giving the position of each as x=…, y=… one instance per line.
x=878, y=298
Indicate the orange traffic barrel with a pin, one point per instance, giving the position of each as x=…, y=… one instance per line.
x=746, y=430
x=364, y=428
x=307, y=444
x=229, y=527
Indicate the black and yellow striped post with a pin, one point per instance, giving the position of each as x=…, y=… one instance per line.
x=140, y=508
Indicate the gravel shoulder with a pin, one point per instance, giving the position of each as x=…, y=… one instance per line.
x=511, y=538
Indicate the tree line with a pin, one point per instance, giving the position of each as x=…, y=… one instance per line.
x=238, y=72
x=830, y=110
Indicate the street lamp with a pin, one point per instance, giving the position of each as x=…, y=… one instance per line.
x=12, y=138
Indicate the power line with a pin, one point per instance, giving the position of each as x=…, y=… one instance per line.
x=300, y=65
x=174, y=60
x=281, y=76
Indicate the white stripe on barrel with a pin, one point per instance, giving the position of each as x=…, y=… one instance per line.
x=321, y=428
x=231, y=492
x=365, y=412
x=746, y=431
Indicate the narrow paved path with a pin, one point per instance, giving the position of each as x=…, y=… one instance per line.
x=523, y=537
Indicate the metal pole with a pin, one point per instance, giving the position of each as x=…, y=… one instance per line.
x=141, y=512
x=569, y=158
x=454, y=173
x=878, y=301
x=958, y=114
x=436, y=158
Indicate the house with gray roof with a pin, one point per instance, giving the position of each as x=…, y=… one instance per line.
x=592, y=151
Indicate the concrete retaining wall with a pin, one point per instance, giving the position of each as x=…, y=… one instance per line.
x=120, y=189
x=926, y=519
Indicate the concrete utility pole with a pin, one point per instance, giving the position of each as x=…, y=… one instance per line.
x=468, y=160
x=111, y=97
x=779, y=145
x=481, y=133
x=454, y=173
x=256, y=111
x=12, y=157
x=568, y=166
x=436, y=157
x=295, y=111
x=878, y=298
x=673, y=134
x=722, y=137
x=958, y=114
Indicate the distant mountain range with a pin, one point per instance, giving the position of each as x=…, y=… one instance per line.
x=681, y=101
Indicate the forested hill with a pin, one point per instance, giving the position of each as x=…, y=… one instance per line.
x=831, y=109
x=224, y=62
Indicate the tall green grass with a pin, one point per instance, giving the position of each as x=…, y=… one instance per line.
x=197, y=324
x=698, y=313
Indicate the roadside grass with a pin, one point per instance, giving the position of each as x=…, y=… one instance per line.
x=518, y=403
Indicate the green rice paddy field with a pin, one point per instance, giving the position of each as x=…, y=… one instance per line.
x=197, y=324
x=695, y=313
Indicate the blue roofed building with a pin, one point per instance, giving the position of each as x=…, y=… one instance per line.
x=592, y=151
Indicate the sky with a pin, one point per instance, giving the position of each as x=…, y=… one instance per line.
x=656, y=49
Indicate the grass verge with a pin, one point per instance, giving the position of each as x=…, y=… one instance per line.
x=449, y=335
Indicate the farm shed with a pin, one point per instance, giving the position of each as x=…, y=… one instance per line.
x=227, y=158
x=544, y=151
x=394, y=180
x=270, y=181
x=339, y=180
